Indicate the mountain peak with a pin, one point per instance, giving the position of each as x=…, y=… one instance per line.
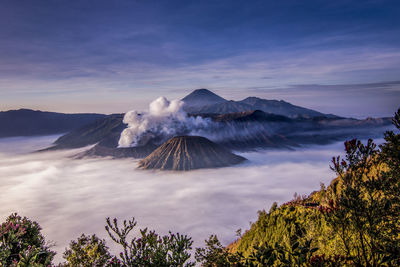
x=183, y=153
x=201, y=97
x=203, y=90
x=203, y=94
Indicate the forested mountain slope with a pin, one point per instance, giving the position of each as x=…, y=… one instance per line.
x=355, y=221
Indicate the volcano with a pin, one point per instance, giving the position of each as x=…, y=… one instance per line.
x=199, y=98
x=183, y=153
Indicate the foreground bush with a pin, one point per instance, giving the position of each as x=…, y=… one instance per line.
x=298, y=254
x=22, y=244
x=87, y=251
x=150, y=249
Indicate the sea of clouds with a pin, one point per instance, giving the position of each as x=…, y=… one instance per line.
x=69, y=197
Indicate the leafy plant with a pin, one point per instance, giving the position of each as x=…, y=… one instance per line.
x=22, y=244
x=150, y=249
x=295, y=255
x=214, y=254
x=87, y=251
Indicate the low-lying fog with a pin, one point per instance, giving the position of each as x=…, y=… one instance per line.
x=69, y=197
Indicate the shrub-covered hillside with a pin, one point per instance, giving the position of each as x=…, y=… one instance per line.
x=355, y=221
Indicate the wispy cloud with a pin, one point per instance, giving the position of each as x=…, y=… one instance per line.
x=105, y=53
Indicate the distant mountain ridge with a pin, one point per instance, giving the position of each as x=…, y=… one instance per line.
x=27, y=122
x=242, y=131
x=282, y=108
x=249, y=127
x=202, y=101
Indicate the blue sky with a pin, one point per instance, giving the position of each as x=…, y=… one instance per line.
x=339, y=57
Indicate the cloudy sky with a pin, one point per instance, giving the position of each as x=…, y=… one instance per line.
x=339, y=57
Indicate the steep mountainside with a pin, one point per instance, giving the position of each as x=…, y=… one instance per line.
x=106, y=130
x=185, y=153
x=26, y=122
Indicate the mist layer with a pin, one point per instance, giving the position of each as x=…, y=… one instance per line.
x=69, y=197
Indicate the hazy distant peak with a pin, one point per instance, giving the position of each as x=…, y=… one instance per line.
x=201, y=97
x=205, y=92
x=21, y=110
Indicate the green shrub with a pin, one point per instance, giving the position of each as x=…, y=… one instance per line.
x=87, y=251
x=150, y=249
x=22, y=244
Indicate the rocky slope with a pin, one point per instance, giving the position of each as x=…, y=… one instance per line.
x=185, y=153
x=106, y=130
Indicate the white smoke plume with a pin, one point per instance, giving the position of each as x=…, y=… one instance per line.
x=164, y=119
